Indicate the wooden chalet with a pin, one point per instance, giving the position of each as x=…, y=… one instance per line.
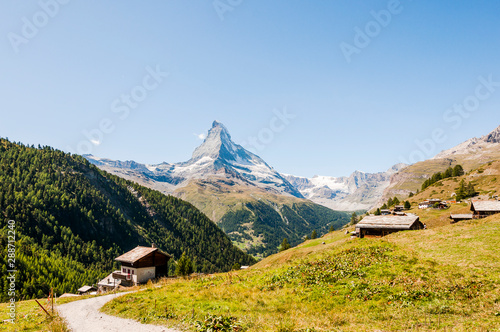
x=385, y=212
x=424, y=205
x=399, y=208
x=384, y=225
x=459, y=217
x=433, y=202
x=108, y=284
x=483, y=209
x=86, y=290
x=140, y=265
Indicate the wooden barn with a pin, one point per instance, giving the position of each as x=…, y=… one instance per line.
x=384, y=225
x=459, y=217
x=141, y=264
x=483, y=209
x=85, y=290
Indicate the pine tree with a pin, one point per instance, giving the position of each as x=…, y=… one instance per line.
x=461, y=191
x=448, y=173
x=378, y=213
x=458, y=170
x=354, y=218
x=407, y=205
x=184, y=266
x=314, y=235
x=471, y=191
x=331, y=229
x=284, y=245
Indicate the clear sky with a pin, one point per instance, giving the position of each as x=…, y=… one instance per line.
x=355, y=84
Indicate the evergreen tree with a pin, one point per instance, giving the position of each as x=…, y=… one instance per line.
x=331, y=229
x=284, y=245
x=448, y=173
x=411, y=194
x=395, y=201
x=389, y=202
x=407, y=205
x=184, y=266
x=314, y=235
x=354, y=218
x=378, y=213
x=461, y=190
x=384, y=207
x=471, y=191
x=458, y=171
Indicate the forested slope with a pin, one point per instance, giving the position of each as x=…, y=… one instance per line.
x=72, y=220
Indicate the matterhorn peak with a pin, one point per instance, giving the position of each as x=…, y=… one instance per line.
x=217, y=145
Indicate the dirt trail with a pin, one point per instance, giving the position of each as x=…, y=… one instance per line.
x=84, y=316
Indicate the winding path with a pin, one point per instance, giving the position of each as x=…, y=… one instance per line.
x=84, y=316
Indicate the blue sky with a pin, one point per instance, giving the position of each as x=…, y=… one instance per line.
x=65, y=67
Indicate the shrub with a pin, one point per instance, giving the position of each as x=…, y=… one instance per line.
x=214, y=323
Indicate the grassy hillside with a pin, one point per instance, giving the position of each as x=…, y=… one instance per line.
x=445, y=277
x=256, y=220
x=72, y=220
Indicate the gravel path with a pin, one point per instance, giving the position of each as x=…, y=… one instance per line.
x=84, y=316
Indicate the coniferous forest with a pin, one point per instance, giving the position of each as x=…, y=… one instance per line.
x=72, y=220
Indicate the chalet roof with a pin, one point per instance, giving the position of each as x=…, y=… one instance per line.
x=109, y=281
x=486, y=206
x=85, y=289
x=461, y=216
x=391, y=222
x=137, y=253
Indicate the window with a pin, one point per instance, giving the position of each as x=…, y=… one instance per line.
x=124, y=270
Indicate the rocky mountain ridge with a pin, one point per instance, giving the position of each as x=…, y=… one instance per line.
x=470, y=154
x=359, y=191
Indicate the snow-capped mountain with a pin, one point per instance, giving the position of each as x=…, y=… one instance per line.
x=359, y=191
x=218, y=157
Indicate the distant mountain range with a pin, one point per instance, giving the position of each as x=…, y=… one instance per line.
x=217, y=157
x=220, y=158
x=359, y=191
